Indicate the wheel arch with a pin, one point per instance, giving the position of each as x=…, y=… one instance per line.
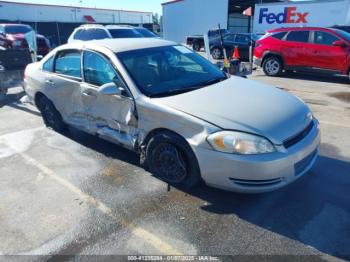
x=272, y=54
x=37, y=98
x=157, y=131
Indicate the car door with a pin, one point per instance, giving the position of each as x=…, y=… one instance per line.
x=63, y=85
x=297, y=48
x=110, y=116
x=229, y=43
x=325, y=54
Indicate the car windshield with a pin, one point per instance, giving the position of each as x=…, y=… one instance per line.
x=169, y=70
x=342, y=33
x=124, y=33
x=145, y=32
x=17, y=29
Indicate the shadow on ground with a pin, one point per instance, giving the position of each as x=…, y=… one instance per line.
x=306, y=76
x=314, y=210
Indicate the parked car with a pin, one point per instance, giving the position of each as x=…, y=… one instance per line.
x=13, y=35
x=43, y=45
x=96, y=32
x=187, y=119
x=345, y=28
x=304, y=49
x=230, y=41
x=145, y=32
x=197, y=41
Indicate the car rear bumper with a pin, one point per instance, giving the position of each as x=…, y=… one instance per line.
x=259, y=173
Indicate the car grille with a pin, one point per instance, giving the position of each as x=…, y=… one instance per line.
x=255, y=183
x=298, y=137
x=300, y=167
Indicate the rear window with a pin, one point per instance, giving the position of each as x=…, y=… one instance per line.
x=145, y=32
x=17, y=29
x=279, y=35
x=124, y=33
x=298, y=36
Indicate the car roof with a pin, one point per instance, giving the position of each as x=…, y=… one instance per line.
x=15, y=25
x=106, y=26
x=285, y=29
x=118, y=45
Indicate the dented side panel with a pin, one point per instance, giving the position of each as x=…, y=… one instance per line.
x=110, y=116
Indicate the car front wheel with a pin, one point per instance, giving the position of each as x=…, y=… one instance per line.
x=170, y=158
x=272, y=66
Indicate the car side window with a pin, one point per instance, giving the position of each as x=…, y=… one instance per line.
x=323, y=38
x=48, y=65
x=68, y=63
x=78, y=34
x=98, y=34
x=244, y=39
x=230, y=37
x=298, y=36
x=97, y=70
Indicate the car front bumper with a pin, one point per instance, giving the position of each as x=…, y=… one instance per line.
x=259, y=173
x=257, y=61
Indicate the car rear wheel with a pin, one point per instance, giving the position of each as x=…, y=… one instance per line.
x=170, y=158
x=272, y=66
x=52, y=118
x=196, y=46
x=216, y=53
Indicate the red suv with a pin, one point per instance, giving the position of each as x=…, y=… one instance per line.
x=308, y=48
x=12, y=35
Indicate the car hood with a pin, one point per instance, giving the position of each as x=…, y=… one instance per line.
x=245, y=105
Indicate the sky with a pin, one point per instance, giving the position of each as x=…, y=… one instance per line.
x=137, y=5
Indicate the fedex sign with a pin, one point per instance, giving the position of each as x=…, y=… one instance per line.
x=288, y=16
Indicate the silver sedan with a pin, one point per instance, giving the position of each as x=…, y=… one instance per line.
x=188, y=120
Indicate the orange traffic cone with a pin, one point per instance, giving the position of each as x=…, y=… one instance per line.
x=236, y=54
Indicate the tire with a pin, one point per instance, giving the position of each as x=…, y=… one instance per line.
x=52, y=118
x=170, y=158
x=272, y=66
x=196, y=46
x=216, y=53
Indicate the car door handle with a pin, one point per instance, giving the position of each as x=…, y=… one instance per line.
x=49, y=81
x=89, y=93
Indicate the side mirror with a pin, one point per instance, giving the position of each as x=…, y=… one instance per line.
x=339, y=43
x=39, y=58
x=110, y=89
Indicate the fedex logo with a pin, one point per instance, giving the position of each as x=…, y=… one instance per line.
x=289, y=16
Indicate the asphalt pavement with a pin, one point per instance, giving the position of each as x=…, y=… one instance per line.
x=73, y=193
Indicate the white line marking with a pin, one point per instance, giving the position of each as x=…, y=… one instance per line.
x=150, y=238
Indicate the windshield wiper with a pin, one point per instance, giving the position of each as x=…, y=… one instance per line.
x=174, y=92
x=190, y=88
x=213, y=81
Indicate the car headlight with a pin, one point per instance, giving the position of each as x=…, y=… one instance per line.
x=240, y=143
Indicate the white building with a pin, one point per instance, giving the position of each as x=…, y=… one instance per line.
x=182, y=18
x=57, y=22
x=14, y=11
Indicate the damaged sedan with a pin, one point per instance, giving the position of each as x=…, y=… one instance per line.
x=187, y=119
